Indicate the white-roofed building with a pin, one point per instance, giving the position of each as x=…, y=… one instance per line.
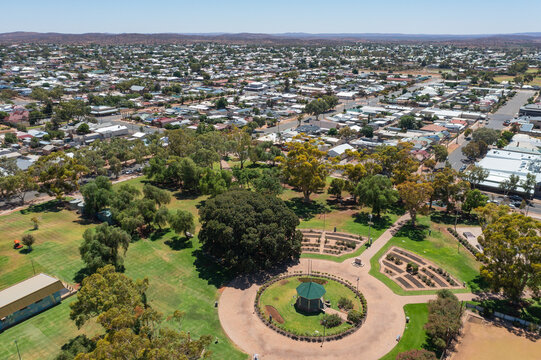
x=502, y=163
x=339, y=150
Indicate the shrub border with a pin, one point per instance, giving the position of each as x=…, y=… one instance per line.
x=472, y=249
x=306, y=338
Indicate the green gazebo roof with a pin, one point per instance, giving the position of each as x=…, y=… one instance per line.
x=310, y=290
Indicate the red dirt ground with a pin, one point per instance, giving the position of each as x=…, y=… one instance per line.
x=270, y=310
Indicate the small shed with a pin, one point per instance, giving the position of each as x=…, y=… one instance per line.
x=309, y=297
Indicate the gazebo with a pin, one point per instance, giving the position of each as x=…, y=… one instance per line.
x=309, y=296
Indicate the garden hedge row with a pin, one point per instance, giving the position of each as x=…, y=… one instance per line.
x=302, y=337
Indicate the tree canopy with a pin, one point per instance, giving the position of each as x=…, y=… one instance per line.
x=101, y=246
x=512, y=254
x=97, y=195
x=247, y=231
x=444, y=319
x=377, y=192
x=305, y=167
x=133, y=329
x=415, y=195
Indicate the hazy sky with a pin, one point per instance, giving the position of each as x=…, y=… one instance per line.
x=272, y=16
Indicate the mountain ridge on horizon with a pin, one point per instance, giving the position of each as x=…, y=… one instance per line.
x=531, y=38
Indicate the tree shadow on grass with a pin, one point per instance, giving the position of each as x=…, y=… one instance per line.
x=85, y=271
x=381, y=223
x=307, y=210
x=49, y=206
x=158, y=234
x=417, y=233
x=341, y=204
x=178, y=243
x=25, y=251
x=209, y=270
x=218, y=276
x=440, y=217
x=183, y=195
x=86, y=221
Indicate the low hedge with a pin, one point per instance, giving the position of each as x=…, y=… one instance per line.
x=463, y=241
x=308, y=337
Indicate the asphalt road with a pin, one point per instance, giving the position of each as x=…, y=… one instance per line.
x=495, y=121
x=509, y=110
x=132, y=127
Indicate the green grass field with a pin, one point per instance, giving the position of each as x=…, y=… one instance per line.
x=414, y=336
x=437, y=247
x=180, y=279
x=282, y=296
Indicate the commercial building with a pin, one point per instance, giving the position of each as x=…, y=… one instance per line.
x=28, y=298
x=502, y=163
x=530, y=110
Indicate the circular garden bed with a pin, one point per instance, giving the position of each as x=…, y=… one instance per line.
x=276, y=306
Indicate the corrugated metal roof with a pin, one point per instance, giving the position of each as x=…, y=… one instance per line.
x=27, y=292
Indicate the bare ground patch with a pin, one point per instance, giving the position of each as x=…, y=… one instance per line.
x=271, y=311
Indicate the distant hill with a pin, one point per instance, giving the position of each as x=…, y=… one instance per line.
x=531, y=39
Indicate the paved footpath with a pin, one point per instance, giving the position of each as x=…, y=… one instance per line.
x=384, y=322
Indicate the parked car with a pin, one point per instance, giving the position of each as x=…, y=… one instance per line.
x=515, y=198
x=463, y=167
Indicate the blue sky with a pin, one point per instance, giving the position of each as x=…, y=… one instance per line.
x=272, y=16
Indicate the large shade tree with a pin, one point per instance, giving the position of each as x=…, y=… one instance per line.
x=101, y=246
x=247, y=231
x=377, y=191
x=512, y=255
x=133, y=329
x=305, y=167
x=97, y=195
x=414, y=195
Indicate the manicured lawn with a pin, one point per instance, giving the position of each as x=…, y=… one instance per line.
x=319, y=214
x=56, y=250
x=180, y=279
x=41, y=336
x=437, y=247
x=282, y=296
x=414, y=336
x=353, y=222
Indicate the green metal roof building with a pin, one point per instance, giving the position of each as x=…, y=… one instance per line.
x=309, y=297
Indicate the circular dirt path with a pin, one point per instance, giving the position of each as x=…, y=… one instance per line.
x=385, y=318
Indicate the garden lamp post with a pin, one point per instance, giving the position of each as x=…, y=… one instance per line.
x=369, y=223
x=324, y=327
